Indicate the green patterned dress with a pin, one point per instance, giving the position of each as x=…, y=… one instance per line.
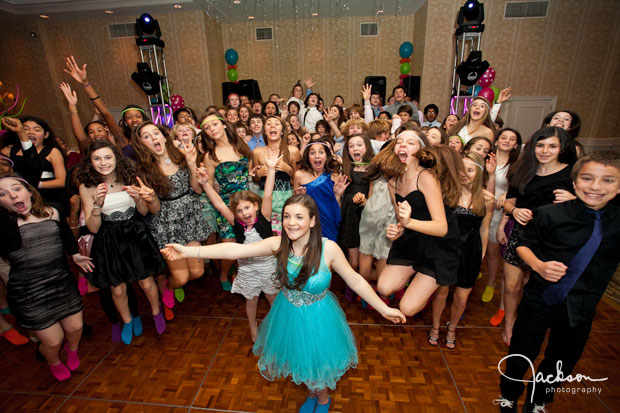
x=231, y=177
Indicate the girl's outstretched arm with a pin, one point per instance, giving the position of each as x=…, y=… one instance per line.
x=336, y=260
x=224, y=250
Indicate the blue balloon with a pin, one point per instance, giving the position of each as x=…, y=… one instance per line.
x=405, y=50
x=477, y=89
x=231, y=56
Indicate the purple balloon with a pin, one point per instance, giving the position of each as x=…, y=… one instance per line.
x=487, y=93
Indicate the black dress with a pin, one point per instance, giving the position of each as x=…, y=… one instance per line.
x=471, y=246
x=41, y=290
x=434, y=256
x=123, y=250
x=351, y=212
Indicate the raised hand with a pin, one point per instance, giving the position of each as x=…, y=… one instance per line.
x=309, y=82
x=173, y=252
x=504, y=95
x=366, y=91
x=74, y=70
x=491, y=163
x=190, y=154
x=404, y=212
x=70, y=95
x=13, y=124
x=272, y=160
x=85, y=263
x=146, y=193
x=254, y=170
x=202, y=174
x=102, y=191
x=341, y=183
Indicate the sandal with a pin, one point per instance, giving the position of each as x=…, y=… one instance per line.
x=450, y=342
x=433, y=341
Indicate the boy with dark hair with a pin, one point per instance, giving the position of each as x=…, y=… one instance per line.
x=405, y=113
x=430, y=115
x=256, y=122
x=572, y=248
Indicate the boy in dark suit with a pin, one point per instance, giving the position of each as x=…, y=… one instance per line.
x=573, y=249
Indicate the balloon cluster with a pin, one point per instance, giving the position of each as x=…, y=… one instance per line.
x=405, y=51
x=491, y=93
x=231, y=57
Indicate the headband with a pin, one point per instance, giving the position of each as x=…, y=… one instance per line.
x=483, y=101
x=457, y=136
x=408, y=132
x=132, y=108
x=3, y=156
x=317, y=143
x=16, y=178
x=210, y=118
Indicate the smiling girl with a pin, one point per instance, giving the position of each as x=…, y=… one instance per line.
x=305, y=335
x=476, y=122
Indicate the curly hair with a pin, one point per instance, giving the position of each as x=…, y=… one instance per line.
x=148, y=164
x=125, y=171
x=331, y=165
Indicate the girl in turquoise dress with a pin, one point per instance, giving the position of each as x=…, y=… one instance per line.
x=305, y=335
x=227, y=160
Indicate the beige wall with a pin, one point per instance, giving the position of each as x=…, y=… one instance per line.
x=329, y=50
x=194, y=61
x=574, y=53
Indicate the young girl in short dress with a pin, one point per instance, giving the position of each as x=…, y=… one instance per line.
x=305, y=335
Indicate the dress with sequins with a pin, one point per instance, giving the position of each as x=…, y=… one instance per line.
x=231, y=177
x=306, y=335
x=180, y=219
x=123, y=249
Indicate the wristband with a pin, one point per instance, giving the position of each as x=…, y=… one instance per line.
x=513, y=210
x=86, y=84
x=95, y=98
x=73, y=112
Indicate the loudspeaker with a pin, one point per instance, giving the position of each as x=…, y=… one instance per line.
x=412, y=87
x=378, y=85
x=247, y=87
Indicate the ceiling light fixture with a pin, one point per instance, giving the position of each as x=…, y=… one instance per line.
x=251, y=17
x=108, y=11
x=237, y=2
x=44, y=16
x=178, y=6
x=315, y=14
x=380, y=11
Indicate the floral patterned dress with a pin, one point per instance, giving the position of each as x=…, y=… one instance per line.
x=231, y=177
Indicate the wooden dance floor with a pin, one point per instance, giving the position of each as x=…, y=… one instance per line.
x=204, y=362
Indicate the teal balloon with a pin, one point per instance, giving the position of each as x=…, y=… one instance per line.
x=477, y=89
x=496, y=90
x=405, y=68
x=406, y=49
x=231, y=56
x=233, y=75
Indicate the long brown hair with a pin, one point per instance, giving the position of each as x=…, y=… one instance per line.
x=208, y=144
x=347, y=162
x=385, y=163
x=125, y=170
x=448, y=170
x=38, y=208
x=312, y=251
x=148, y=164
x=477, y=191
x=486, y=121
x=286, y=155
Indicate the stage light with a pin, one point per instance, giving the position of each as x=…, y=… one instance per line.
x=148, y=31
x=470, y=18
x=146, y=79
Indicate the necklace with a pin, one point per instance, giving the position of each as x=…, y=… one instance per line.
x=167, y=161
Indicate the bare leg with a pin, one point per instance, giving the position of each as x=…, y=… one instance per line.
x=179, y=273
x=251, y=304
x=365, y=267
x=323, y=396
x=150, y=290
x=196, y=266
x=354, y=258
x=513, y=287
x=419, y=291
x=51, y=339
x=493, y=257
x=393, y=278
x=119, y=296
x=3, y=302
x=72, y=327
x=270, y=298
x=438, y=305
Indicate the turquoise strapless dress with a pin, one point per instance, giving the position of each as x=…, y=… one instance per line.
x=306, y=335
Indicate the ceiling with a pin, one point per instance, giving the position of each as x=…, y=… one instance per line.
x=225, y=11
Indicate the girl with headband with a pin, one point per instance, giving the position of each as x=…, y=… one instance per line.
x=425, y=243
x=319, y=176
x=473, y=213
x=476, y=122
x=123, y=249
x=277, y=145
x=42, y=292
x=172, y=175
x=226, y=158
x=131, y=115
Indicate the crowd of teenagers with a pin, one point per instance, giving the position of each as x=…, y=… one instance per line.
x=278, y=196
